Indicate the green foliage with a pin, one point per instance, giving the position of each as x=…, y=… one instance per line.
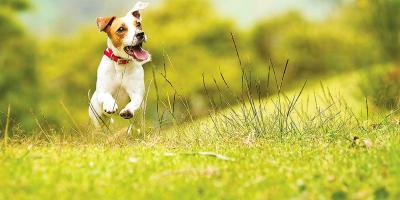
x=18, y=78
x=382, y=19
x=314, y=48
x=67, y=69
x=18, y=5
x=379, y=19
x=267, y=34
x=382, y=85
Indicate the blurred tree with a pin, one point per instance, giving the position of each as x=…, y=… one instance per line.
x=268, y=34
x=68, y=71
x=16, y=5
x=18, y=83
x=382, y=19
x=313, y=48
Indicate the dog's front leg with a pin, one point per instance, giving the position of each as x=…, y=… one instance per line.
x=136, y=100
x=109, y=104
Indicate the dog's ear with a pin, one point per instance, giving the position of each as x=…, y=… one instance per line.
x=135, y=11
x=104, y=22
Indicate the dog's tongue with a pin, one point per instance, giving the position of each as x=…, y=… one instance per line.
x=140, y=54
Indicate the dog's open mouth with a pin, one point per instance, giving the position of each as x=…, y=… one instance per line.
x=137, y=52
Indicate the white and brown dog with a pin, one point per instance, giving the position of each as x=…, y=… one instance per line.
x=120, y=71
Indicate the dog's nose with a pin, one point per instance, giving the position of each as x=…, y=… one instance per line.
x=140, y=35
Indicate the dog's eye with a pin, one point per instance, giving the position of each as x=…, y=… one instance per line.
x=120, y=29
x=138, y=24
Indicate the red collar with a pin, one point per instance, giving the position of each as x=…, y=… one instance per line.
x=109, y=53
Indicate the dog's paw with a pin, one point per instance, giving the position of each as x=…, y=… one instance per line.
x=126, y=114
x=110, y=107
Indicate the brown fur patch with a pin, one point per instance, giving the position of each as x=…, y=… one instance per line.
x=117, y=36
x=104, y=22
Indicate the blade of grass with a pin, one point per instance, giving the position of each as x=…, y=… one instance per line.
x=70, y=117
x=7, y=125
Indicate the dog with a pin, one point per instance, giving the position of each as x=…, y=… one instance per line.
x=120, y=72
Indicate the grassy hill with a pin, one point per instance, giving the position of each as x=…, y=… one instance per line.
x=320, y=146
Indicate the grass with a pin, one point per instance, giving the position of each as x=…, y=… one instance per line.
x=145, y=171
x=283, y=147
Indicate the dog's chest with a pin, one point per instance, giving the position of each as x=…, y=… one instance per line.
x=126, y=76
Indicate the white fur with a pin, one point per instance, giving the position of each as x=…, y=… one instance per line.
x=139, y=6
x=113, y=78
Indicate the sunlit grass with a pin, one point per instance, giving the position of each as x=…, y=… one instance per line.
x=263, y=169
x=338, y=154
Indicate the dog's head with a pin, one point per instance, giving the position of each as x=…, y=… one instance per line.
x=125, y=34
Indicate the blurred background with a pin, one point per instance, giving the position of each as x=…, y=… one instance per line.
x=50, y=50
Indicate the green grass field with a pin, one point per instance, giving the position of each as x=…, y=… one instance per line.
x=315, y=147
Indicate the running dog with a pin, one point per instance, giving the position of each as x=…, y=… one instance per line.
x=120, y=72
